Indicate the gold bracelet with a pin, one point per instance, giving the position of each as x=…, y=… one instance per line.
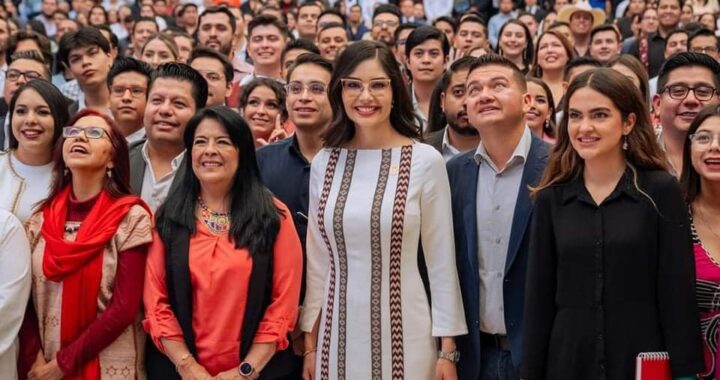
x=180, y=362
x=308, y=352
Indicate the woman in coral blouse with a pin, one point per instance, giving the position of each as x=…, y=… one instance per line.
x=223, y=276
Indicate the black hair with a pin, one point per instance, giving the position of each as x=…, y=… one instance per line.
x=550, y=127
x=605, y=28
x=497, y=60
x=31, y=55
x=424, y=33
x=144, y=19
x=703, y=32
x=309, y=4
x=262, y=20
x=218, y=9
x=577, y=62
x=401, y=28
x=310, y=59
x=36, y=26
x=276, y=87
x=387, y=8
x=447, y=19
x=184, y=7
x=113, y=38
x=301, y=44
x=104, y=12
x=126, y=65
x=690, y=179
x=254, y=217
x=336, y=13
x=334, y=25
x=56, y=101
x=21, y=35
x=437, y=120
x=203, y=52
x=687, y=59
x=402, y=115
x=86, y=36
x=184, y=73
x=475, y=19
x=529, y=52
x=672, y=33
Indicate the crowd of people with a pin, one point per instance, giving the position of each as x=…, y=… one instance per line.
x=284, y=189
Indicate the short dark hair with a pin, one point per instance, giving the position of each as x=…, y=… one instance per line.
x=299, y=44
x=424, y=33
x=86, y=36
x=203, y=52
x=403, y=27
x=335, y=13
x=447, y=19
x=21, y=35
x=687, y=59
x=31, y=55
x=309, y=4
x=310, y=59
x=263, y=20
x=605, y=28
x=334, y=25
x=276, y=87
x=438, y=120
x=387, y=8
x=475, y=19
x=184, y=73
x=127, y=65
x=579, y=61
x=498, y=60
x=184, y=7
x=113, y=38
x=55, y=100
x=704, y=32
x=672, y=33
x=144, y=19
x=219, y=9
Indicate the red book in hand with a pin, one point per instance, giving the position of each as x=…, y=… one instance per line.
x=653, y=366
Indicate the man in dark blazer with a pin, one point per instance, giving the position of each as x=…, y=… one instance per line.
x=491, y=214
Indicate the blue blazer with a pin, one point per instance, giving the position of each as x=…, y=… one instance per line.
x=463, y=175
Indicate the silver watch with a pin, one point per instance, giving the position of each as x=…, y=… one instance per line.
x=452, y=357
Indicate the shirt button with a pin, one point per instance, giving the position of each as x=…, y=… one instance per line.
x=497, y=241
x=497, y=208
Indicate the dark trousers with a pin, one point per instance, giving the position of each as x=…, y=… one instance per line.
x=496, y=364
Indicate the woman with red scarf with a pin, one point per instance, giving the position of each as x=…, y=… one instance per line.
x=88, y=242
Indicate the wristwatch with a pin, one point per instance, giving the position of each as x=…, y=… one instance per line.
x=246, y=369
x=452, y=357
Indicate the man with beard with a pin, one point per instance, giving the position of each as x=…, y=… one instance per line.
x=385, y=20
x=216, y=29
x=46, y=17
x=452, y=132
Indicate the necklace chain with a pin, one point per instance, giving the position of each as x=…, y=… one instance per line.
x=708, y=225
x=217, y=222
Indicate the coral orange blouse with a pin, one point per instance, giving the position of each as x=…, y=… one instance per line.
x=220, y=275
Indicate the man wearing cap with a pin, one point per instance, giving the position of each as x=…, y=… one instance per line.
x=582, y=18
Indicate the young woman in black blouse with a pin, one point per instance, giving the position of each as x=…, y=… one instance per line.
x=611, y=271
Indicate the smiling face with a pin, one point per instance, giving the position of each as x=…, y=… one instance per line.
x=265, y=45
x=32, y=123
x=551, y=54
x=668, y=13
x=705, y=158
x=156, y=52
x=331, y=42
x=581, y=23
x=427, y=61
x=604, y=45
x=89, y=65
x=128, y=106
x=513, y=41
x=212, y=70
x=494, y=98
x=539, y=111
x=83, y=154
x=370, y=106
x=214, y=157
x=26, y=66
x=261, y=111
x=676, y=115
x=307, y=109
x=595, y=126
x=170, y=106
x=649, y=21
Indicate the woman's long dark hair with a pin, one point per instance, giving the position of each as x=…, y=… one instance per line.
x=690, y=179
x=402, y=115
x=549, y=128
x=254, y=218
x=55, y=100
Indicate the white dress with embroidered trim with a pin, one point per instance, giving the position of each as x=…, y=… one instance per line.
x=368, y=211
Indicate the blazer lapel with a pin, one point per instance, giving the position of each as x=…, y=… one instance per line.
x=532, y=172
x=470, y=183
x=137, y=170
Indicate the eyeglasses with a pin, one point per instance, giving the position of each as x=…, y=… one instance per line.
x=135, y=91
x=14, y=75
x=296, y=88
x=680, y=92
x=703, y=139
x=387, y=24
x=90, y=132
x=704, y=49
x=355, y=87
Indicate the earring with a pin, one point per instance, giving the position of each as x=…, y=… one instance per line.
x=546, y=126
x=109, y=173
x=65, y=172
x=625, y=143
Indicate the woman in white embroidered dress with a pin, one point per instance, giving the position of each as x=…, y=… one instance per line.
x=375, y=196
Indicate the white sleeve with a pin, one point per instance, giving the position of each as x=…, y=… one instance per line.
x=436, y=231
x=15, y=283
x=317, y=260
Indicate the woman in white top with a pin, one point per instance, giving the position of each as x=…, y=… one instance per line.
x=14, y=289
x=38, y=112
x=375, y=197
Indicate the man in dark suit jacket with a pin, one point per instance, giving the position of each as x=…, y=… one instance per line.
x=491, y=213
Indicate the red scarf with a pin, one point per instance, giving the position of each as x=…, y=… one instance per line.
x=78, y=264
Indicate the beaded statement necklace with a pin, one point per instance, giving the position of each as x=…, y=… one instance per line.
x=216, y=222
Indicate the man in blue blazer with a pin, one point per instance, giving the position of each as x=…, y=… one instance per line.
x=491, y=214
